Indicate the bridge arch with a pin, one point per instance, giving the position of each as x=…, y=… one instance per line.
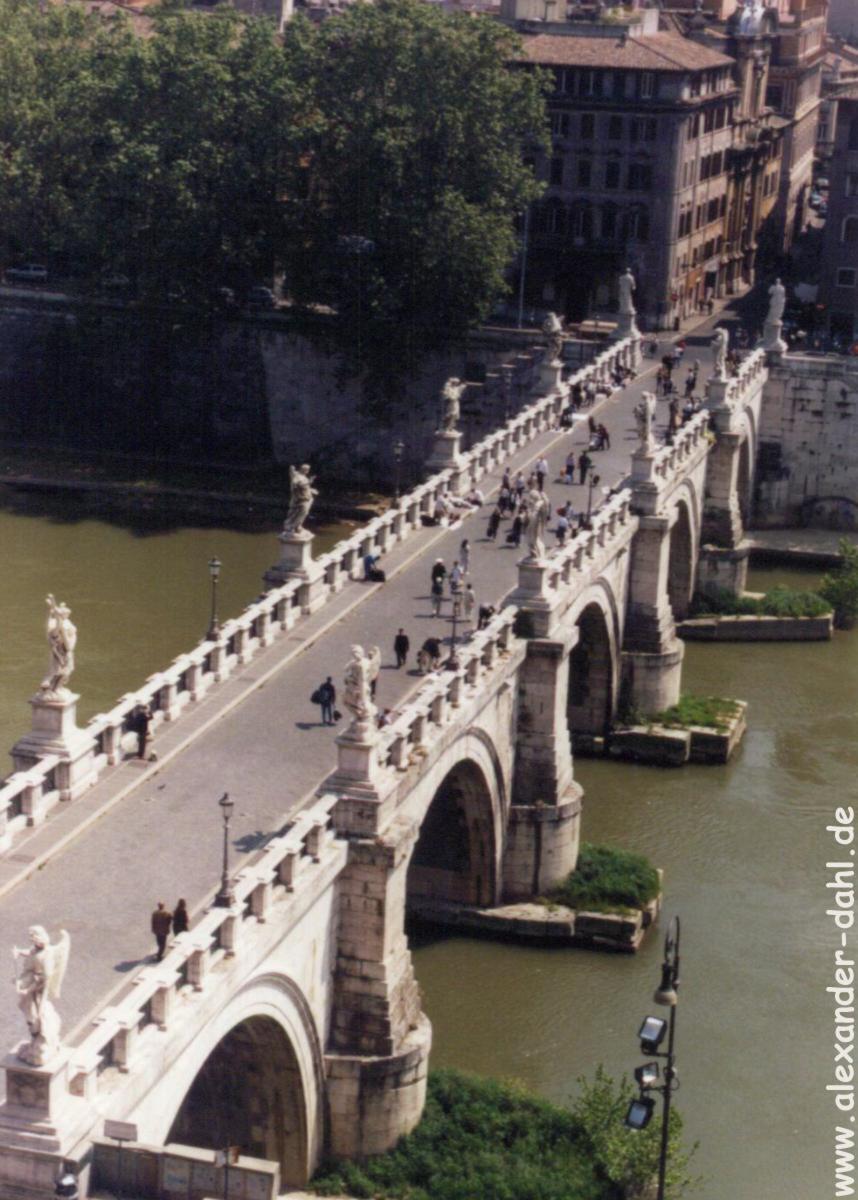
x=747, y=459
x=684, y=549
x=254, y=1075
x=460, y=811
x=594, y=663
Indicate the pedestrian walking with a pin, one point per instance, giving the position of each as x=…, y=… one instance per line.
x=401, y=646
x=141, y=720
x=541, y=473
x=520, y=486
x=180, y=918
x=457, y=576
x=604, y=437
x=561, y=529
x=327, y=695
x=430, y=655
x=517, y=526
x=437, y=595
x=570, y=467
x=585, y=462
x=162, y=923
x=494, y=524
x=505, y=499
x=465, y=556
x=470, y=603
x=690, y=381
x=439, y=571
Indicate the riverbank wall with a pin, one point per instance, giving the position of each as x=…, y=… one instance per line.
x=807, y=471
x=252, y=388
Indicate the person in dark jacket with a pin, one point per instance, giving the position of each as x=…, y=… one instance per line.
x=162, y=920
x=142, y=718
x=180, y=918
x=327, y=698
x=401, y=646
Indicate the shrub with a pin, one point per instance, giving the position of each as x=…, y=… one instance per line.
x=479, y=1139
x=840, y=587
x=780, y=601
x=628, y=1157
x=606, y=879
x=712, y=711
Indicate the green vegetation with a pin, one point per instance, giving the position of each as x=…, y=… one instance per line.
x=607, y=880
x=377, y=157
x=779, y=602
x=483, y=1140
x=840, y=587
x=712, y=711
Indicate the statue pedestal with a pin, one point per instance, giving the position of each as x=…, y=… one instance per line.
x=626, y=327
x=550, y=375
x=773, y=343
x=446, y=451
x=296, y=562
x=643, y=461
x=55, y=731
x=39, y=1115
x=532, y=593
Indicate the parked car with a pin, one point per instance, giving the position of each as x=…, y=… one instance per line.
x=27, y=273
x=261, y=297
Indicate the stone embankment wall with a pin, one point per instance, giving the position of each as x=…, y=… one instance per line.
x=233, y=389
x=808, y=462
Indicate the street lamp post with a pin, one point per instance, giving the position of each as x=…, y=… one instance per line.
x=453, y=660
x=651, y=1035
x=594, y=482
x=398, y=451
x=225, y=898
x=214, y=624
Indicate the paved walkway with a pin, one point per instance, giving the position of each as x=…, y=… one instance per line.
x=153, y=832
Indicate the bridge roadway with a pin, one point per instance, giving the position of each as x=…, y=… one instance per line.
x=149, y=832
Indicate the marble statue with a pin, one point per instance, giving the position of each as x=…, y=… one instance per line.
x=626, y=289
x=552, y=327
x=720, y=345
x=362, y=669
x=645, y=418
x=777, y=302
x=62, y=639
x=301, y=498
x=39, y=976
x=451, y=394
x=538, y=507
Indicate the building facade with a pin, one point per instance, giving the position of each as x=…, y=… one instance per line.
x=839, y=277
x=664, y=159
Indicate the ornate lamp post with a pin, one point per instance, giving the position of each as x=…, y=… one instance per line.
x=398, y=451
x=651, y=1034
x=214, y=624
x=225, y=898
x=594, y=482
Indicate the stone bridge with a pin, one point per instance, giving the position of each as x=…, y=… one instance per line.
x=291, y=1017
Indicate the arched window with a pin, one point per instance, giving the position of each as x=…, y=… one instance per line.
x=850, y=231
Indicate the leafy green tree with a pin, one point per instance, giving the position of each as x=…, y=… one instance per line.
x=401, y=207
x=840, y=587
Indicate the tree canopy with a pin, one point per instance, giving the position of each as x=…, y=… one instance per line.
x=377, y=157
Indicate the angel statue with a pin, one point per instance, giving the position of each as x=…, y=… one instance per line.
x=645, y=419
x=39, y=977
x=301, y=498
x=62, y=638
x=537, y=513
x=552, y=327
x=720, y=344
x=361, y=673
x=626, y=290
x=451, y=394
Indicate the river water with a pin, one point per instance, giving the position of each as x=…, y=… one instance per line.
x=743, y=847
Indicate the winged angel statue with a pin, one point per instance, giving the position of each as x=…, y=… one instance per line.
x=39, y=971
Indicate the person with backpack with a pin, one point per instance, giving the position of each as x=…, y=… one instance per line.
x=325, y=696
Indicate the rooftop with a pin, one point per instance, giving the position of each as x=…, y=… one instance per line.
x=655, y=52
